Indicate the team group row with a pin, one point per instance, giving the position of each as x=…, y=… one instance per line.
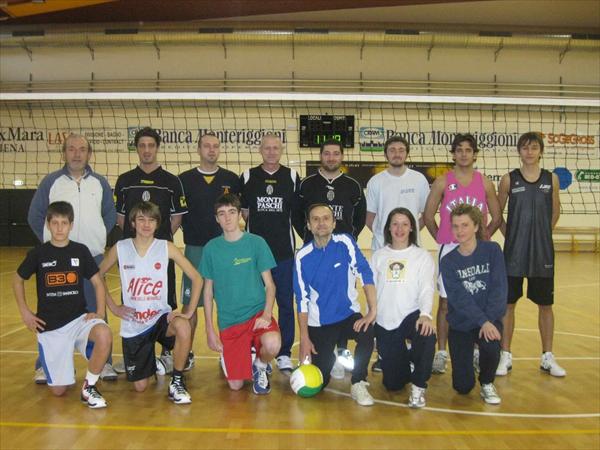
x=245, y=273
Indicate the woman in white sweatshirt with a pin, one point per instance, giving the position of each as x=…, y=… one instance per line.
x=404, y=278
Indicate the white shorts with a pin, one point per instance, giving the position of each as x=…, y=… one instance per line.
x=443, y=250
x=56, y=349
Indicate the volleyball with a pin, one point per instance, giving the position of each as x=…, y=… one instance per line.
x=306, y=380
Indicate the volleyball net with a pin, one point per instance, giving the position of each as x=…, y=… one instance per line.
x=33, y=128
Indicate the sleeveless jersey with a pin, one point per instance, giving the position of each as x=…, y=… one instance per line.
x=456, y=194
x=528, y=247
x=144, y=284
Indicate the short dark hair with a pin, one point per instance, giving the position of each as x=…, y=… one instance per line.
x=387, y=234
x=146, y=209
x=318, y=205
x=63, y=209
x=147, y=132
x=464, y=209
x=528, y=138
x=76, y=136
x=466, y=137
x=332, y=142
x=396, y=138
x=228, y=200
x=208, y=133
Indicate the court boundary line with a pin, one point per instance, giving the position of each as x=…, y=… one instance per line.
x=478, y=413
x=289, y=431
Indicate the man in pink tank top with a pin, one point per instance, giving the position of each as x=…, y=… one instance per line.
x=461, y=185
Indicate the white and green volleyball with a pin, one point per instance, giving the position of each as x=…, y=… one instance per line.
x=306, y=380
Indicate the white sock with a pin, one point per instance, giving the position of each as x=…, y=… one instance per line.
x=260, y=364
x=91, y=378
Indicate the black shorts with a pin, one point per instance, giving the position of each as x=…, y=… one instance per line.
x=539, y=290
x=138, y=351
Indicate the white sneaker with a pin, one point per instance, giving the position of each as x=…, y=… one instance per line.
x=92, y=396
x=505, y=364
x=550, y=365
x=359, y=393
x=337, y=371
x=167, y=359
x=417, y=397
x=346, y=359
x=119, y=367
x=39, y=376
x=284, y=364
x=476, y=360
x=108, y=373
x=439, y=362
x=178, y=393
x=489, y=394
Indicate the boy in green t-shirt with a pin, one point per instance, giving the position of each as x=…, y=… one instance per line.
x=237, y=270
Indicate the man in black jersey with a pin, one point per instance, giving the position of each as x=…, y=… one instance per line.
x=202, y=186
x=346, y=198
x=151, y=183
x=533, y=210
x=269, y=198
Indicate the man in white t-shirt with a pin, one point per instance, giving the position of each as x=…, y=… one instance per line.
x=397, y=186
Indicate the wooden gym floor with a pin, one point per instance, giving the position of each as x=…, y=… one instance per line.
x=537, y=410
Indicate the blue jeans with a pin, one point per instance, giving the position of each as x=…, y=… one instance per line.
x=90, y=301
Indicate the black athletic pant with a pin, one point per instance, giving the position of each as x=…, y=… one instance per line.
x=325, y=337
x=461, y=345
x=396, y=358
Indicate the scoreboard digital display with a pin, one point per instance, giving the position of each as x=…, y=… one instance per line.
x=316, y=129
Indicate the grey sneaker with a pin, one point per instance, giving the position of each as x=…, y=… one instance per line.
x=345, y=358
x=439, y=362
x=119, y=367
x=284, y=364
x=417, y=397
x=108, y=373
x=505, y=364
x=337, y=371
x=489, y=394
x=167, y=359
x=549, y=365
x=360, y=394
x=39, y=376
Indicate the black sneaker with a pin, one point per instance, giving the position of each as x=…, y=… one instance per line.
x=92, y=396
x=178, y=393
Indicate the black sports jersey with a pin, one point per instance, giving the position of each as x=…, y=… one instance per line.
x=59, y=276
x=159, y=187
x=201, y=191
x=343, y=194
x=270, y=199
x=528, y=247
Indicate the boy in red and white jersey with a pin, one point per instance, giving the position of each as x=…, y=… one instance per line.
x=147, y=316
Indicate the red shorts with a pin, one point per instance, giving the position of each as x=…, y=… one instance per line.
x=237, y=342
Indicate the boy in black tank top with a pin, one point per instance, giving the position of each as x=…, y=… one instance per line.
x=533, y=210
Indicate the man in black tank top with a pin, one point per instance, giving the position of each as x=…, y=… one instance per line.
x=533, y=210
